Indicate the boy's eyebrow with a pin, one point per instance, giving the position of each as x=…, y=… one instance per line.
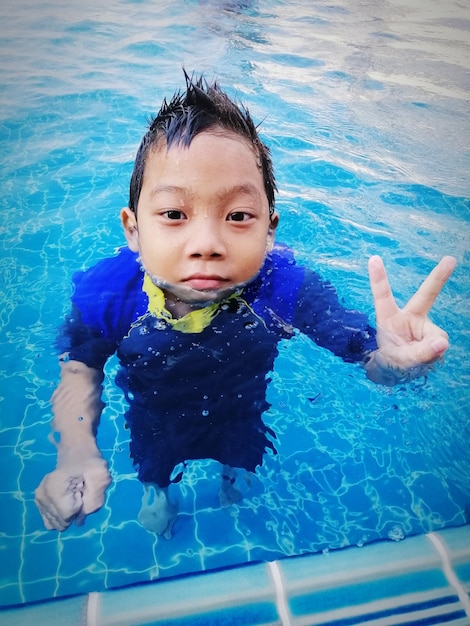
x=167, y=189
x=244, y=188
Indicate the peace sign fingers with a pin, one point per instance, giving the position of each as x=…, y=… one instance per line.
x=421, y=302
x=385, y=305
x=406, y=338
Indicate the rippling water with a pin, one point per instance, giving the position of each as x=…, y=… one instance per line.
x=366, y=111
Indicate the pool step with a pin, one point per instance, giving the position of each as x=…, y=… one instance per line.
x=418, y=581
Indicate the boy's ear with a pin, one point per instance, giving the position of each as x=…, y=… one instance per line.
x=129, y=224
x=274, y=221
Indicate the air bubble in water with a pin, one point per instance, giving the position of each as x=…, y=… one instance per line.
x=396, y=534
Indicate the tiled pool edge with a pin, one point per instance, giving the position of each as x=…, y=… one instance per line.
x=423, y=580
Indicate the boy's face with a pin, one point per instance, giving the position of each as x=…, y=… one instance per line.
x=202, y=226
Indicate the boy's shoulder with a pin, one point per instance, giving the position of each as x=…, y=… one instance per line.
x=111, y=272
x=110, y=292
x=283, y=252
x=277, y=286
x=123, y=256
x=281, y=261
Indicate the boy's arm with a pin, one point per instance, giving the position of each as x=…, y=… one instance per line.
x=408, y=342
x=77, y=486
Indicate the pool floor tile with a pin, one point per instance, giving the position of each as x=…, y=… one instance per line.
x=454, y=546
x=385, y=583
x=60, y=612
x=243, y=595
x=457, y=543
x=419, y=581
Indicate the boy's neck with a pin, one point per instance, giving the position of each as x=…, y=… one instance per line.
x=177, y=307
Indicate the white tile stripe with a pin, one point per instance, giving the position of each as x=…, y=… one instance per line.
x=281, y=600
x=449, y=572
x=92, y=608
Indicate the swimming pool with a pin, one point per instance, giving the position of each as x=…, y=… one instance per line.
x=365, y=111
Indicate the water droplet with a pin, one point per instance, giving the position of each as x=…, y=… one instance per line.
x=396, y=534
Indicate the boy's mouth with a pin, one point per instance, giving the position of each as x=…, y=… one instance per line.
x=203, y=282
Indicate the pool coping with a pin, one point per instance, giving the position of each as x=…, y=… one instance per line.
x=424, y=579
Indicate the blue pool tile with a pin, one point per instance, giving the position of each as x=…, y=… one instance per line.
x=66, y=611
x=368, y=591
x=409, y=583
x=454, y=547
x=462, y=572
x=457, y=543
x=242, y=595
x=384, y=583
x=457, y=538
x=412, y=554
x=251, y=615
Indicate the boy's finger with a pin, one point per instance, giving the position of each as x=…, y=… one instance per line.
x=431, y=350
x=93, y=499
x=421, y=302
x=384, y=301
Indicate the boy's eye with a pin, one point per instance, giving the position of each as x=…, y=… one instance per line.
x=174, y=214
x=238, y=216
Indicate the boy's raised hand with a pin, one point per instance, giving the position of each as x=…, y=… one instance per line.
x=406, y=338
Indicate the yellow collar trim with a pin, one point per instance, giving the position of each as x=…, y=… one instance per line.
x=193, y=322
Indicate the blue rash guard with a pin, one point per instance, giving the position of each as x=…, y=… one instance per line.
x=195, y=395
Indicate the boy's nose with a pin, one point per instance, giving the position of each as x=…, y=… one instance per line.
x=205, y=240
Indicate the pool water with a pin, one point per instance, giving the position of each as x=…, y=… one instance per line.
x=365, y=109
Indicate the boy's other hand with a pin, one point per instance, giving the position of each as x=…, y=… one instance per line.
x=72, y=491
x=406, y=338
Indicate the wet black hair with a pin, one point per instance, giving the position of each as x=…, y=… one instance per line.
x=202, y=106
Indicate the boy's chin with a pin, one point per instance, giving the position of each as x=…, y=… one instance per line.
x=194, y=297
x=197, y=298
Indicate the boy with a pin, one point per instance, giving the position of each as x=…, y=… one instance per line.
x=195, y=307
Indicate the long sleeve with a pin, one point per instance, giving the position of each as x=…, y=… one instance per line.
x=320, y=315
